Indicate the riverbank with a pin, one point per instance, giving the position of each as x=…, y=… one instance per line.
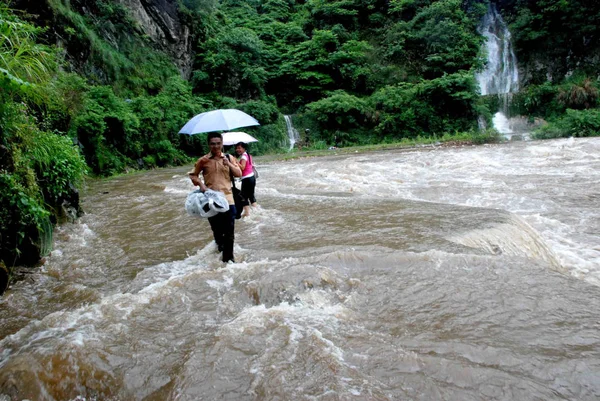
x=457, y=140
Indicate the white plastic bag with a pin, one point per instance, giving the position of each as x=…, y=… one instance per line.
x=207, y=204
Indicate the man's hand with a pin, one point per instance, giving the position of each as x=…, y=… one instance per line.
x=198, y=182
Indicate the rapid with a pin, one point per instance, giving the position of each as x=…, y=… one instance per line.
x=467, y=273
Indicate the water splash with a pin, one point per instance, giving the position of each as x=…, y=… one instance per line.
x=501, y=123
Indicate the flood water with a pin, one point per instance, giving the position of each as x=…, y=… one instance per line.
x=433, y=274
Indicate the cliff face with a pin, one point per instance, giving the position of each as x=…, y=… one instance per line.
x=160, y=20
x=553, y=41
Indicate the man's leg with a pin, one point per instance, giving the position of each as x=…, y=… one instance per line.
x=217, y=224
x=228, y=224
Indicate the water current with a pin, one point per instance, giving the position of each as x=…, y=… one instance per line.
x=467, y=273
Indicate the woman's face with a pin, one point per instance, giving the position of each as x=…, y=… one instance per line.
x=239, y=150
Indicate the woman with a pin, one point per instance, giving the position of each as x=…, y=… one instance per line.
x=248, y=178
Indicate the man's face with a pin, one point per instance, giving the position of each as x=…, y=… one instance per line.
x=215, y=145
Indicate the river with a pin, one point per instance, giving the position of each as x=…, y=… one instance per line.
x=468, y=273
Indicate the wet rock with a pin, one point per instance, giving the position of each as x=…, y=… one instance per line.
x=4, y=276
x=160, y=20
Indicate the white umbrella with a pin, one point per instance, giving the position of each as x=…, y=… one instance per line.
x=231, y=138
x=218, y=120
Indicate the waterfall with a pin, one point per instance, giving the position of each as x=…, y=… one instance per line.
x=293, y=134
x=500, y=75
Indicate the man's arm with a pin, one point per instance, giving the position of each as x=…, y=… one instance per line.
x=195, y=175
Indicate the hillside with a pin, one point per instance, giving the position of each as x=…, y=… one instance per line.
x=118, y=78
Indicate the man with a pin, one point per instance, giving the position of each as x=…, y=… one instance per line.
x=217, y=169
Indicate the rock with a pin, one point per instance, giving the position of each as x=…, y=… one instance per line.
x=4, y=277
x=159, y=19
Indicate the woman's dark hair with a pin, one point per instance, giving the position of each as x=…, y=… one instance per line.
x=242, y=144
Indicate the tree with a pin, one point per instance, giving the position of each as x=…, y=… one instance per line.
x=232, y=64
x=440, y=39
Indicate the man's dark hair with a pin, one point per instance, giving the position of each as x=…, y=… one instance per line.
x=214, y=135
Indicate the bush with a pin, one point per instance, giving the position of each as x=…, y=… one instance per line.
x=265, y=112
x=399, y=112
x=550, y=131
x=272, y=137
x=577, y=123
x=22, y=217
x=536, y=100
x=57, y=164
x=165, y=154
x=490, y=135
x=108, y=131
x=149, y=161
x=580, y=94
x=581, y=123
x=340, y=111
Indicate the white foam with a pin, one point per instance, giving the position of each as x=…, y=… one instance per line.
x=528, y=178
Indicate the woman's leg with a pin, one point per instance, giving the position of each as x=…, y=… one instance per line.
x=248, y=185
x=248, y=188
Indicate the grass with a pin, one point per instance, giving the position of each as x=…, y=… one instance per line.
x=457, y=139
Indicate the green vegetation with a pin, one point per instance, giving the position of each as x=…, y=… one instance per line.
x=95, y=94
x=321, y=148
x=557, y=42
x=36, y=166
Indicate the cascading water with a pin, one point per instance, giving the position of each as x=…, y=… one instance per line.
x=467, y=273
x=500, y=76
x=293, y=134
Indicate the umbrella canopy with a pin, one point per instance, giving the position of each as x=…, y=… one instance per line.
x=218, y=120
x=231, y=138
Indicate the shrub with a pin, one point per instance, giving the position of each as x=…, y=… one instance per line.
x=57, y=164
x=108, y=131
x=400, y=114
x=581, y=94
x=577, y=123
x=265, y=112
x=340, y=110
x=22, y=215
x=272, y=137
x=550, y=131
x=536, y=100
x=580, y=123
x=165, y=154
x=149, y=161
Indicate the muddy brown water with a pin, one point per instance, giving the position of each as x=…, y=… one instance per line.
x=436, y=274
